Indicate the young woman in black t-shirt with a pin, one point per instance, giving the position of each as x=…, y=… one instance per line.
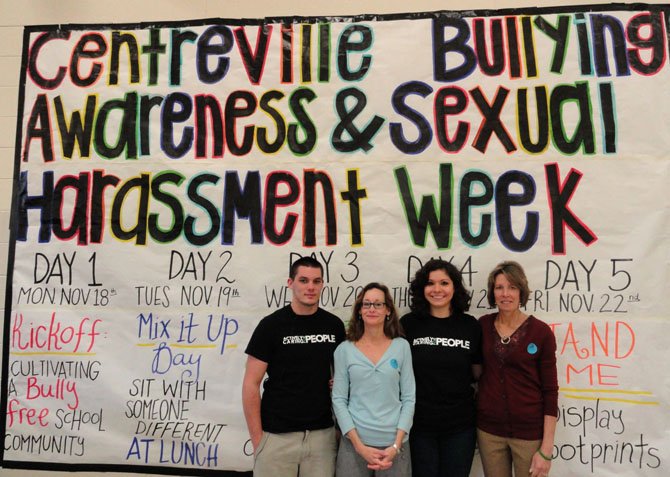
x=446, y=354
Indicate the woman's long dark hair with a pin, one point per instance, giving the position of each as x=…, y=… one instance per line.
x=460, y=302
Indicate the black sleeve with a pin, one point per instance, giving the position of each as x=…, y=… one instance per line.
x=406, y=323
x=476, y=341
x=341, y=332
x=261, y=343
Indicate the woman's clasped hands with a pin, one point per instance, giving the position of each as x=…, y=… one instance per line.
x=377, y=459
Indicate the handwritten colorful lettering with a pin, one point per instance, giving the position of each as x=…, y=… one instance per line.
x=168, y=174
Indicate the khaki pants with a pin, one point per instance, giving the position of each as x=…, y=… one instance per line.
x=501, y=454
x=296, y=454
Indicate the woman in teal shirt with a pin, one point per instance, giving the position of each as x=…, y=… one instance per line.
x=374, y=390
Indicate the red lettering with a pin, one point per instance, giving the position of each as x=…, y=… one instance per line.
x=569, y=370
x=62, y=390
x=17, y=414
x=55, y=336
x=619, y=335
x=570, y=340
x=602, y=377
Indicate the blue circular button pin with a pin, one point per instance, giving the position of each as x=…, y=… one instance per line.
x=532, y=348
x=394, y=364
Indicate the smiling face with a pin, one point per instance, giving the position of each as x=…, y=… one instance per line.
x=306, y=288
x=439, y=291
x=507, y=295
x=374, y=315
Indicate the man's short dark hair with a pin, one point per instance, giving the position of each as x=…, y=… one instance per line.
x=304, y=262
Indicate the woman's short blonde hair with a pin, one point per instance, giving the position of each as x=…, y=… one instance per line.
x=513, y=271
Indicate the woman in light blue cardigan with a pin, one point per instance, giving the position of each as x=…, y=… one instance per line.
x=373, y=390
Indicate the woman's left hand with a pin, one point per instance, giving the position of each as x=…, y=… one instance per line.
x=390, y=453
x=539, y=466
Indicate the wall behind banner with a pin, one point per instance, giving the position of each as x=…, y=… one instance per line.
x=14, y=15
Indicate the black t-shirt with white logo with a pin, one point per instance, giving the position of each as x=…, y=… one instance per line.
x=299, y=352
x=443, y=352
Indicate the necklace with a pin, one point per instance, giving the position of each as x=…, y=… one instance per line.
x=505, y=339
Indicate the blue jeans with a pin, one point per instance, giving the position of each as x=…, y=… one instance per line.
x=440, y=454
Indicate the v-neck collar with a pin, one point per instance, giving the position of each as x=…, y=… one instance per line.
x=381, y=358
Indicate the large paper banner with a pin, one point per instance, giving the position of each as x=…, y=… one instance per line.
x=167, y=174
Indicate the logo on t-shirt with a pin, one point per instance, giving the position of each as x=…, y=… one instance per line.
x=438, y=341
x=308, y=339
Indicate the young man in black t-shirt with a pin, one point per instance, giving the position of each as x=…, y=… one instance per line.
x=291, y=427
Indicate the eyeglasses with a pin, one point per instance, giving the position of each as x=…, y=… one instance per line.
x=376, y=305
